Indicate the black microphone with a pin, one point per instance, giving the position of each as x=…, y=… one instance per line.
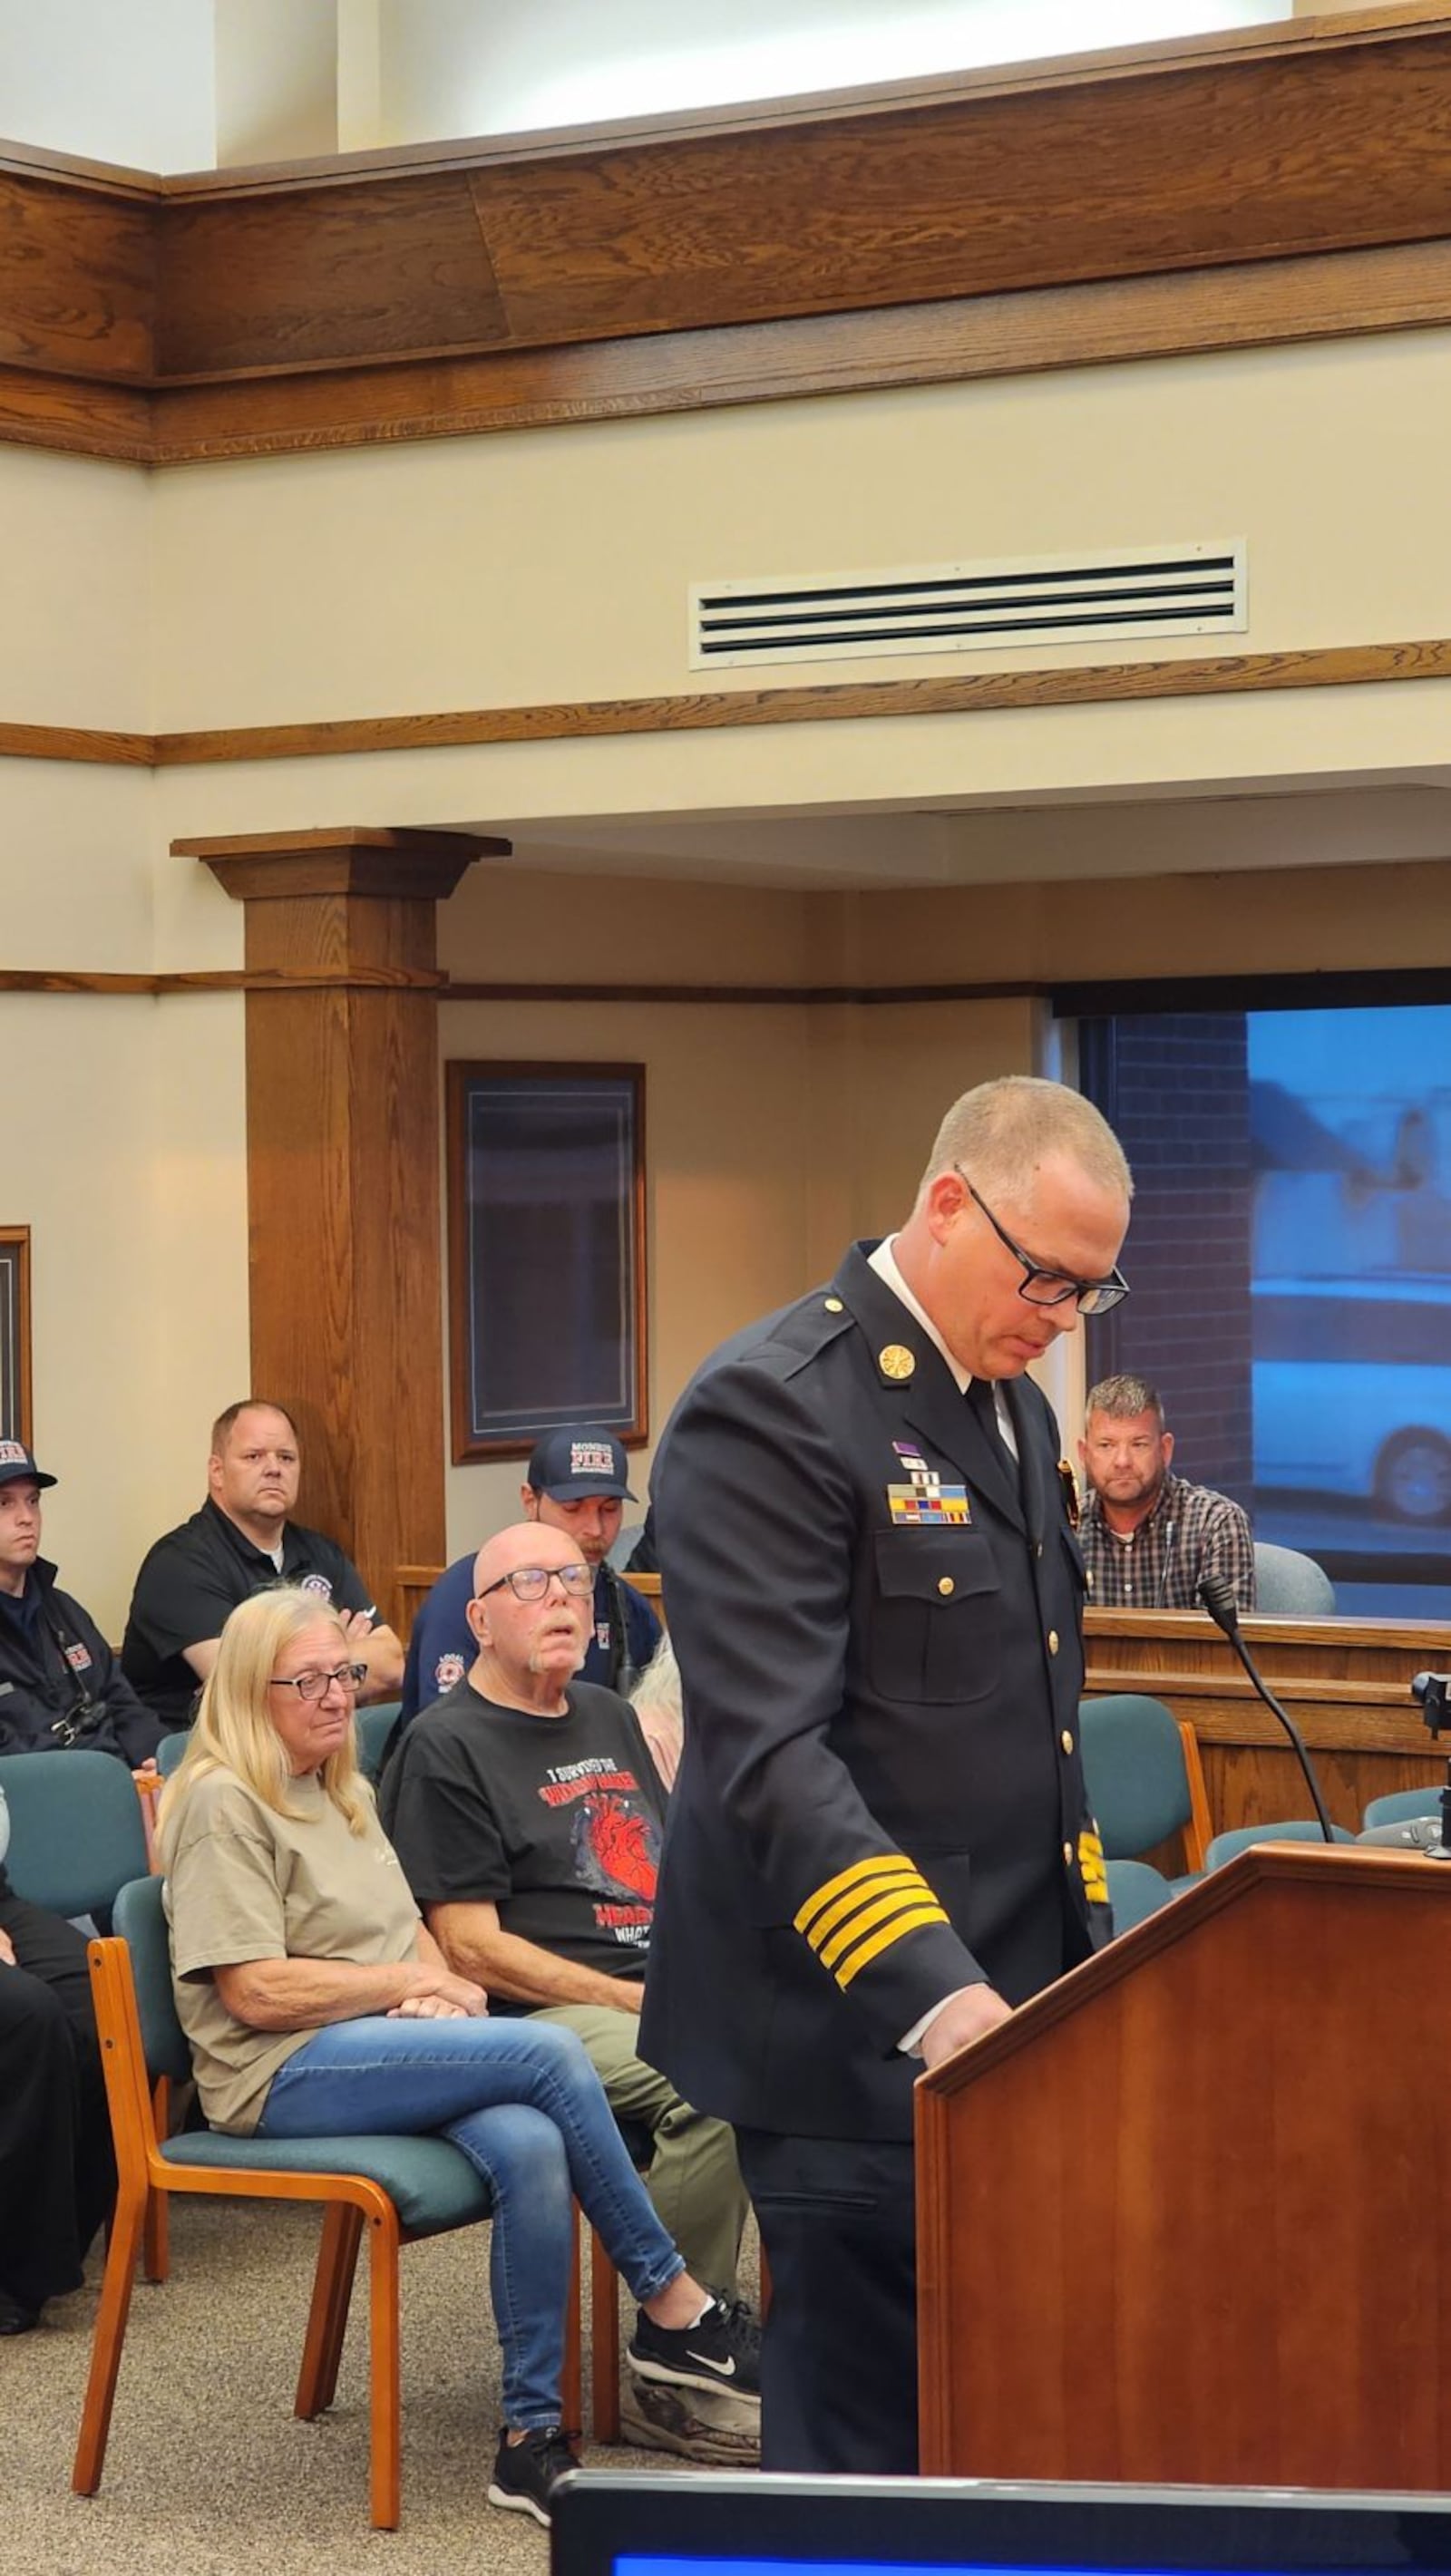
x=1217, y=1594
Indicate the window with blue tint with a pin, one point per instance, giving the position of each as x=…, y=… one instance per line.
x=1290, y=1255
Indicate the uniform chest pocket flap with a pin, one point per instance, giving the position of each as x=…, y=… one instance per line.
x=936, y=1619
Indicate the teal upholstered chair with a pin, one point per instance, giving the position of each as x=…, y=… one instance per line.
x=76, y=1829
x=1291, y=1586
x=398, y=2188
x=170, y=1750
x=1398, y=1804
x=1135, y=1891
x=371, y=1730
x=1145, y=1785
x=1298, y=1829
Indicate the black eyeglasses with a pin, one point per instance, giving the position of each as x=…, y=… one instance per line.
x=531, y=1582
x=1051, y=1287
x=349, y=1677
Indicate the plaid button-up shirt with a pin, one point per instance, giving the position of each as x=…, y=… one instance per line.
x=1191, y=1532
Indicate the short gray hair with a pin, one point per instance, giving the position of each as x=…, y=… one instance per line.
x=1123, y=1399
x=1001, y=1131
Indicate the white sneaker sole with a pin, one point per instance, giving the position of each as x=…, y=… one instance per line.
x=509, y=2500
x=645, y=2366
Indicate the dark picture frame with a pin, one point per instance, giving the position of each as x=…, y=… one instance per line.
x=15, y=1421
x=546, y=1231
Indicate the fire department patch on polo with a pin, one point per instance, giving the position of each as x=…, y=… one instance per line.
x=448, y=1670
x=321, y=1584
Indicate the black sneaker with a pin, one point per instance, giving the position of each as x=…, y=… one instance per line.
x=722, y=2351
x=526, y=2473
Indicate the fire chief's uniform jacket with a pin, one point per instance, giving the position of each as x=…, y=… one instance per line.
x=881, y=1798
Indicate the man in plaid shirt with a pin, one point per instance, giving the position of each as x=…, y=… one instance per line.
x=1150, y=1538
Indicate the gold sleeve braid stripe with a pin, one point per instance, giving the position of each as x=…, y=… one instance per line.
x=854, y=1916
x=1090, y=1863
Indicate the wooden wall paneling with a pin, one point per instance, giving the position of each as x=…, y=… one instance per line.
x=75, y=417
x=77, y=279
x=1230, y=190
x=1291, y=152
x=342, y=1172
x=1246, y=305
x=315, y=278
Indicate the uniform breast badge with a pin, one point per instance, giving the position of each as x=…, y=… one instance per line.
x=924, y=1502
x=896, y=1362
x=1069, y=1484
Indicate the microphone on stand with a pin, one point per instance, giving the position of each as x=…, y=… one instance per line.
x=1216, y=1592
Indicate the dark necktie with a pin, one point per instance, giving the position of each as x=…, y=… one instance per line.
x=982, y=1399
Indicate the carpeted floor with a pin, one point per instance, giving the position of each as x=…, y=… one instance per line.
x=209, y=2471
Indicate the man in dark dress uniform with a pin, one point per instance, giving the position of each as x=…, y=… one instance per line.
x=879, y=1842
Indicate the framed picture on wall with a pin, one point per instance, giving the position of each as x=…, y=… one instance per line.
x=15, y=1333
x=546, y=1222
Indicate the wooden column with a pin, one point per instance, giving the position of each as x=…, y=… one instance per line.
x=343, y=1129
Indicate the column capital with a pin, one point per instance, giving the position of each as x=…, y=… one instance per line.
x=342, y=858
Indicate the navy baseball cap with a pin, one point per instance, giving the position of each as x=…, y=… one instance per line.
x=16, y=1460
x=571, y=1465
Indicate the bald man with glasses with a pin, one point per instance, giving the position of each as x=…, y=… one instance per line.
x=528, y=1813
x=879, y=1837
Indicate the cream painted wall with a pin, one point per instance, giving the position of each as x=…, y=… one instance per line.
x=124, y=1150
x=131, y=1176
x=75, y=641
x=554, y=566
x=548, y=565
x=1343, y=918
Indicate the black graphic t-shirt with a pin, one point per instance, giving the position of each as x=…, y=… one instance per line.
x=555, y=1820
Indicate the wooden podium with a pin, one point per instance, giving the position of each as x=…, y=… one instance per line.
x=1187, y=2216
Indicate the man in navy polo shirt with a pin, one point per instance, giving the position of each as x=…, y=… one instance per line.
x=241, y=1541
x=59, y=1681
x=578, y=1482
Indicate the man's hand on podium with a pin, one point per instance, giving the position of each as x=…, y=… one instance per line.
x=965, y=2016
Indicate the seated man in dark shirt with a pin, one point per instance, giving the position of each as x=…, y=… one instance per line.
x=578, y=1482
x=59, y=1682
x=527, y=1814
x=240, y=1541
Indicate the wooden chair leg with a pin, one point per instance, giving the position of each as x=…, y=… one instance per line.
x=604, y=2331
x=385, y=2476
x=571, y=2384
x=127, y=2228
x=327, y=2318
x=156, y=2254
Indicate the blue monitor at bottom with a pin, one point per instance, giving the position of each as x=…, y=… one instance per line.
x=706, y=2525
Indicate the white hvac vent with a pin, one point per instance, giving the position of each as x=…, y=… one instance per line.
x=969, y=607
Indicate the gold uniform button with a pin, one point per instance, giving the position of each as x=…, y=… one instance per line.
x=946, y=1584
x=834, y=1306
x=1052, y=1641
x=1068, y=1855
x=1066, y=1740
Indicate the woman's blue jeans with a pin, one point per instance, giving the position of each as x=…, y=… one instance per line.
x=525, y=2105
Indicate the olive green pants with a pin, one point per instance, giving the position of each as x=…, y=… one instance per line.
x=693, y=2177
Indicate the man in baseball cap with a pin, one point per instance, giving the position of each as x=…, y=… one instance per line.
x=59, y=1682
x=578, y=1481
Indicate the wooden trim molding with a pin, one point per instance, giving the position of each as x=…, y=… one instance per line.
x=1230, y=190
x=1205, y=675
